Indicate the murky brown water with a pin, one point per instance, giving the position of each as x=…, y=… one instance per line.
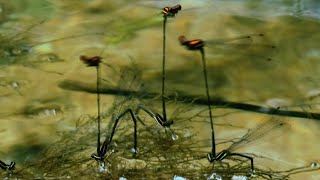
x=35, y=107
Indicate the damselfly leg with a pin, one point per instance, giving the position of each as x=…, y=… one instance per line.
x=95, y=62
x=165, y=123
x=168, y=12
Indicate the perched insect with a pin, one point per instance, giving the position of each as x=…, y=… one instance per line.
x=253, y=46
x=171, y=11
x=244, y=43
x=7, y=167
x=198, y=44
x=91, y=61
x=162, y=120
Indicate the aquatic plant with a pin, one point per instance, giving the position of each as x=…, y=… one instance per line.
x=17, y=47
x=160, y=157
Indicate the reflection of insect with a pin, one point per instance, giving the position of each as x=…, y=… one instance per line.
x=7, y=167
x=260, y=131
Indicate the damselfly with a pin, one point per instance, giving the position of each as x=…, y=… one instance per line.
x=162, y=120
x=106, y=147
x=198, y=44
x=252, y=46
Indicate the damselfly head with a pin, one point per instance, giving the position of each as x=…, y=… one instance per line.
x=91, y=61
x=165, y=10
x=182, y=39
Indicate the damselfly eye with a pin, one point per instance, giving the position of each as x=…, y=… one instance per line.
x=91, y=61
x=182, y=39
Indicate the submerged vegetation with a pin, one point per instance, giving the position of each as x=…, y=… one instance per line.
x=109, y=120
x=158, y=156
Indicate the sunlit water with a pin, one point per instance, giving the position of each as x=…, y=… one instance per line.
x=35, y=107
